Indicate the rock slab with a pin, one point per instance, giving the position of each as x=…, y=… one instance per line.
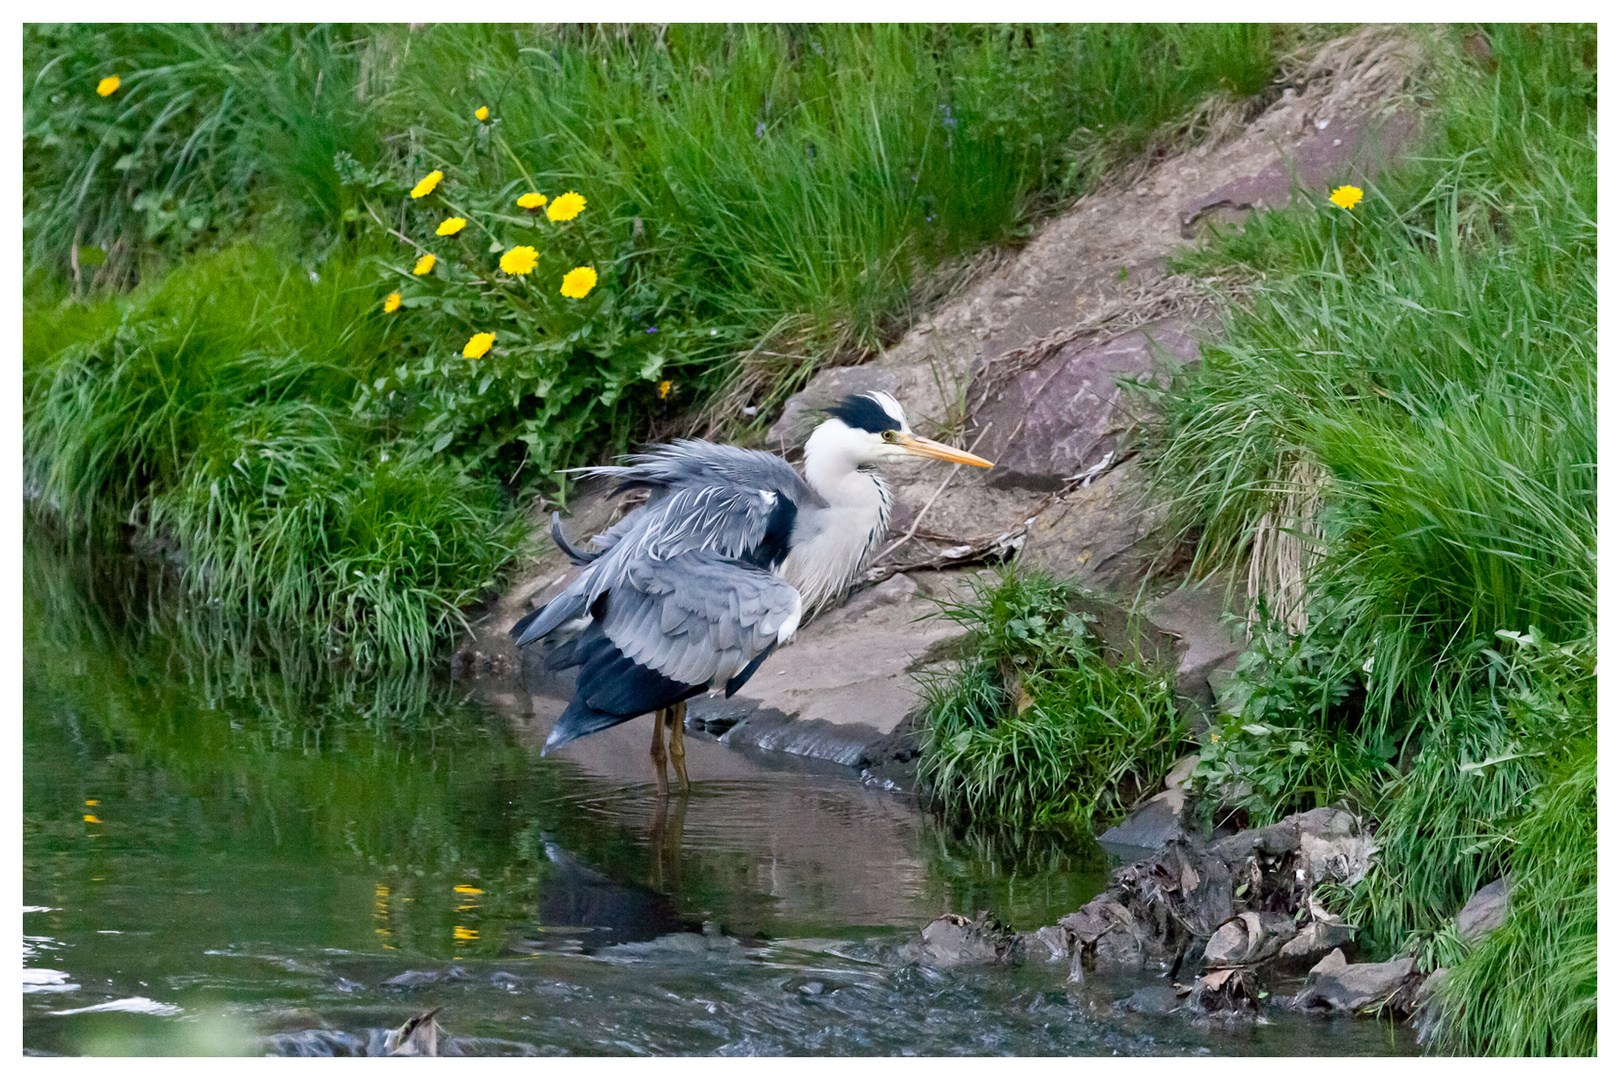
x=1338, y=986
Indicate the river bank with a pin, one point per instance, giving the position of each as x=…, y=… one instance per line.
x=1296, y=432
x=1321, y=496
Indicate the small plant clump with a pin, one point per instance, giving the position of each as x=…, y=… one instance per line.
x=1033, y=723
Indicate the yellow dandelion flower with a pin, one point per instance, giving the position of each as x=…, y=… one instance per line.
x=469, y=889
x=566, y=207
x=465, y=933
x=664, y=388
x=1345, y=197
x=424, y=264
x=451, y=226
x=92, y=819
x=532, y=200
x=520, y=260
x=482, y=112
x=426, y=185
x=391, y=304
x=109, y=85
x=578, y=281
x=477, y=346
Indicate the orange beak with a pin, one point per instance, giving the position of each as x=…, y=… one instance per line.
x=916, y=444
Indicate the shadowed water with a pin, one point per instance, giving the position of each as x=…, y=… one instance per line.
x=237, y=855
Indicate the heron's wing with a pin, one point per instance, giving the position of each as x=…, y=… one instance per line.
x=739, y=523
x=703, y=497
x=696, y=463
x=698, y=616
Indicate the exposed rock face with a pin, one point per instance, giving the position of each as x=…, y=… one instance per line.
x=955, y=939
x=1485, y=911
x=1066, y=414
x=1338, y=986
x=1097, y=535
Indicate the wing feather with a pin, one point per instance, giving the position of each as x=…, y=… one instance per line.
x=698, y=616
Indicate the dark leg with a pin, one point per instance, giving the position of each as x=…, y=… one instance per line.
x=658, y=757
x=677, y=743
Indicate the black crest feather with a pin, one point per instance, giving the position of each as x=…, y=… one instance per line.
x=860, y=411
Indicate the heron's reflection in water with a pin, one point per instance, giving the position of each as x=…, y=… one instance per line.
x=581, y=906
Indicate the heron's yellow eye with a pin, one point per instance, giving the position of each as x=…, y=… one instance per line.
x=888, y=436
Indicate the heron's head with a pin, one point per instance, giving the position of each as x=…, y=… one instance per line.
x=871, y=428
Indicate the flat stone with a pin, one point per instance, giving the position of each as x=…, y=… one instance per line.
x=854, y=666
x=1324, y=823
x=1150, y=826
x=1156, y=1000
x=955, y=939
x=1338, y=986
x=1310, y=945
x=1067, y=413
x=1485, y=911
x=1206, y=640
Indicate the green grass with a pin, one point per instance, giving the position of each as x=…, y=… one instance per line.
x=1410, y=386
x=1033, y=724
x=761, y=201
x=211, y=413
x=1432, y=355
x=1530, y=987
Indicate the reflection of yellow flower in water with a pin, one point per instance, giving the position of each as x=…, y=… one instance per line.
x=424, y=264
x=566, y=207
x=391, y=304
x=451, y=226
x=1345, y=197
x=664, y=388
x=482, y=112
x=426, y=185
x=109, y=85
x=532, y=200
x=520, y=260
x=477, y=346
x=578, y=281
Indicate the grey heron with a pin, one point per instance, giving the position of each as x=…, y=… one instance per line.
x=697, y=586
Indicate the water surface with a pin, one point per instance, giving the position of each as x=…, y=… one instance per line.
x=229, y=854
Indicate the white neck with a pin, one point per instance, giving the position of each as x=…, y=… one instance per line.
x=832, y=544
